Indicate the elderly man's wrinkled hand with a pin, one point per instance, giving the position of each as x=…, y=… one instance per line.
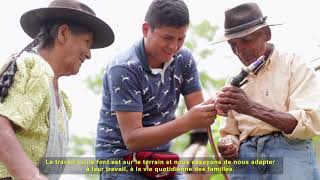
x=228, y=149
x=232, y=98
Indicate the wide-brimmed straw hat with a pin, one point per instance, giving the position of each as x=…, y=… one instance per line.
x=241, y=21
x=68, y=10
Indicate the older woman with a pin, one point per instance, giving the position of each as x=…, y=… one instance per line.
x=34, y=113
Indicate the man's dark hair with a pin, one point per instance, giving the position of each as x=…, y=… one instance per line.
x=173, y=13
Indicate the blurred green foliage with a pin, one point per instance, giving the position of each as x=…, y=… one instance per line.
x=94, y=83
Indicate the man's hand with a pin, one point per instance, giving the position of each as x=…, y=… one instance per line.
x=201, y=115
x=232, y=98
x=229, y=148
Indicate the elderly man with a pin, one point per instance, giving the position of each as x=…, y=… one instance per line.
x=276, y=113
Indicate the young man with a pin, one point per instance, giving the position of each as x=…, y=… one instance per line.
x=276, y=113
x=141, y=89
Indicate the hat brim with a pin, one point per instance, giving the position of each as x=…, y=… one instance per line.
x=32, y=20
x=242, y=33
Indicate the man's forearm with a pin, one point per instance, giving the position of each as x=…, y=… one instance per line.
x=151, y=137
x=281, y=120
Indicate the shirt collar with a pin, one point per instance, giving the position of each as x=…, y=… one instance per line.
x=142, y=56
x=44, y=64
x=267, y=65
x=272, y=56
x=165, y=66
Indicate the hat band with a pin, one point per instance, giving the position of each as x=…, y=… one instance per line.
x=246, y=25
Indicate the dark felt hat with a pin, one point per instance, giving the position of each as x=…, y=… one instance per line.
x=243, y=20
x=69, y=10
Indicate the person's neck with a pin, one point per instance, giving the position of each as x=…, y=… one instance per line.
x=266, y=54
x=269, y=50
x=151, y=60
x=153, y=63
x=52, y=59
x=156, y=65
